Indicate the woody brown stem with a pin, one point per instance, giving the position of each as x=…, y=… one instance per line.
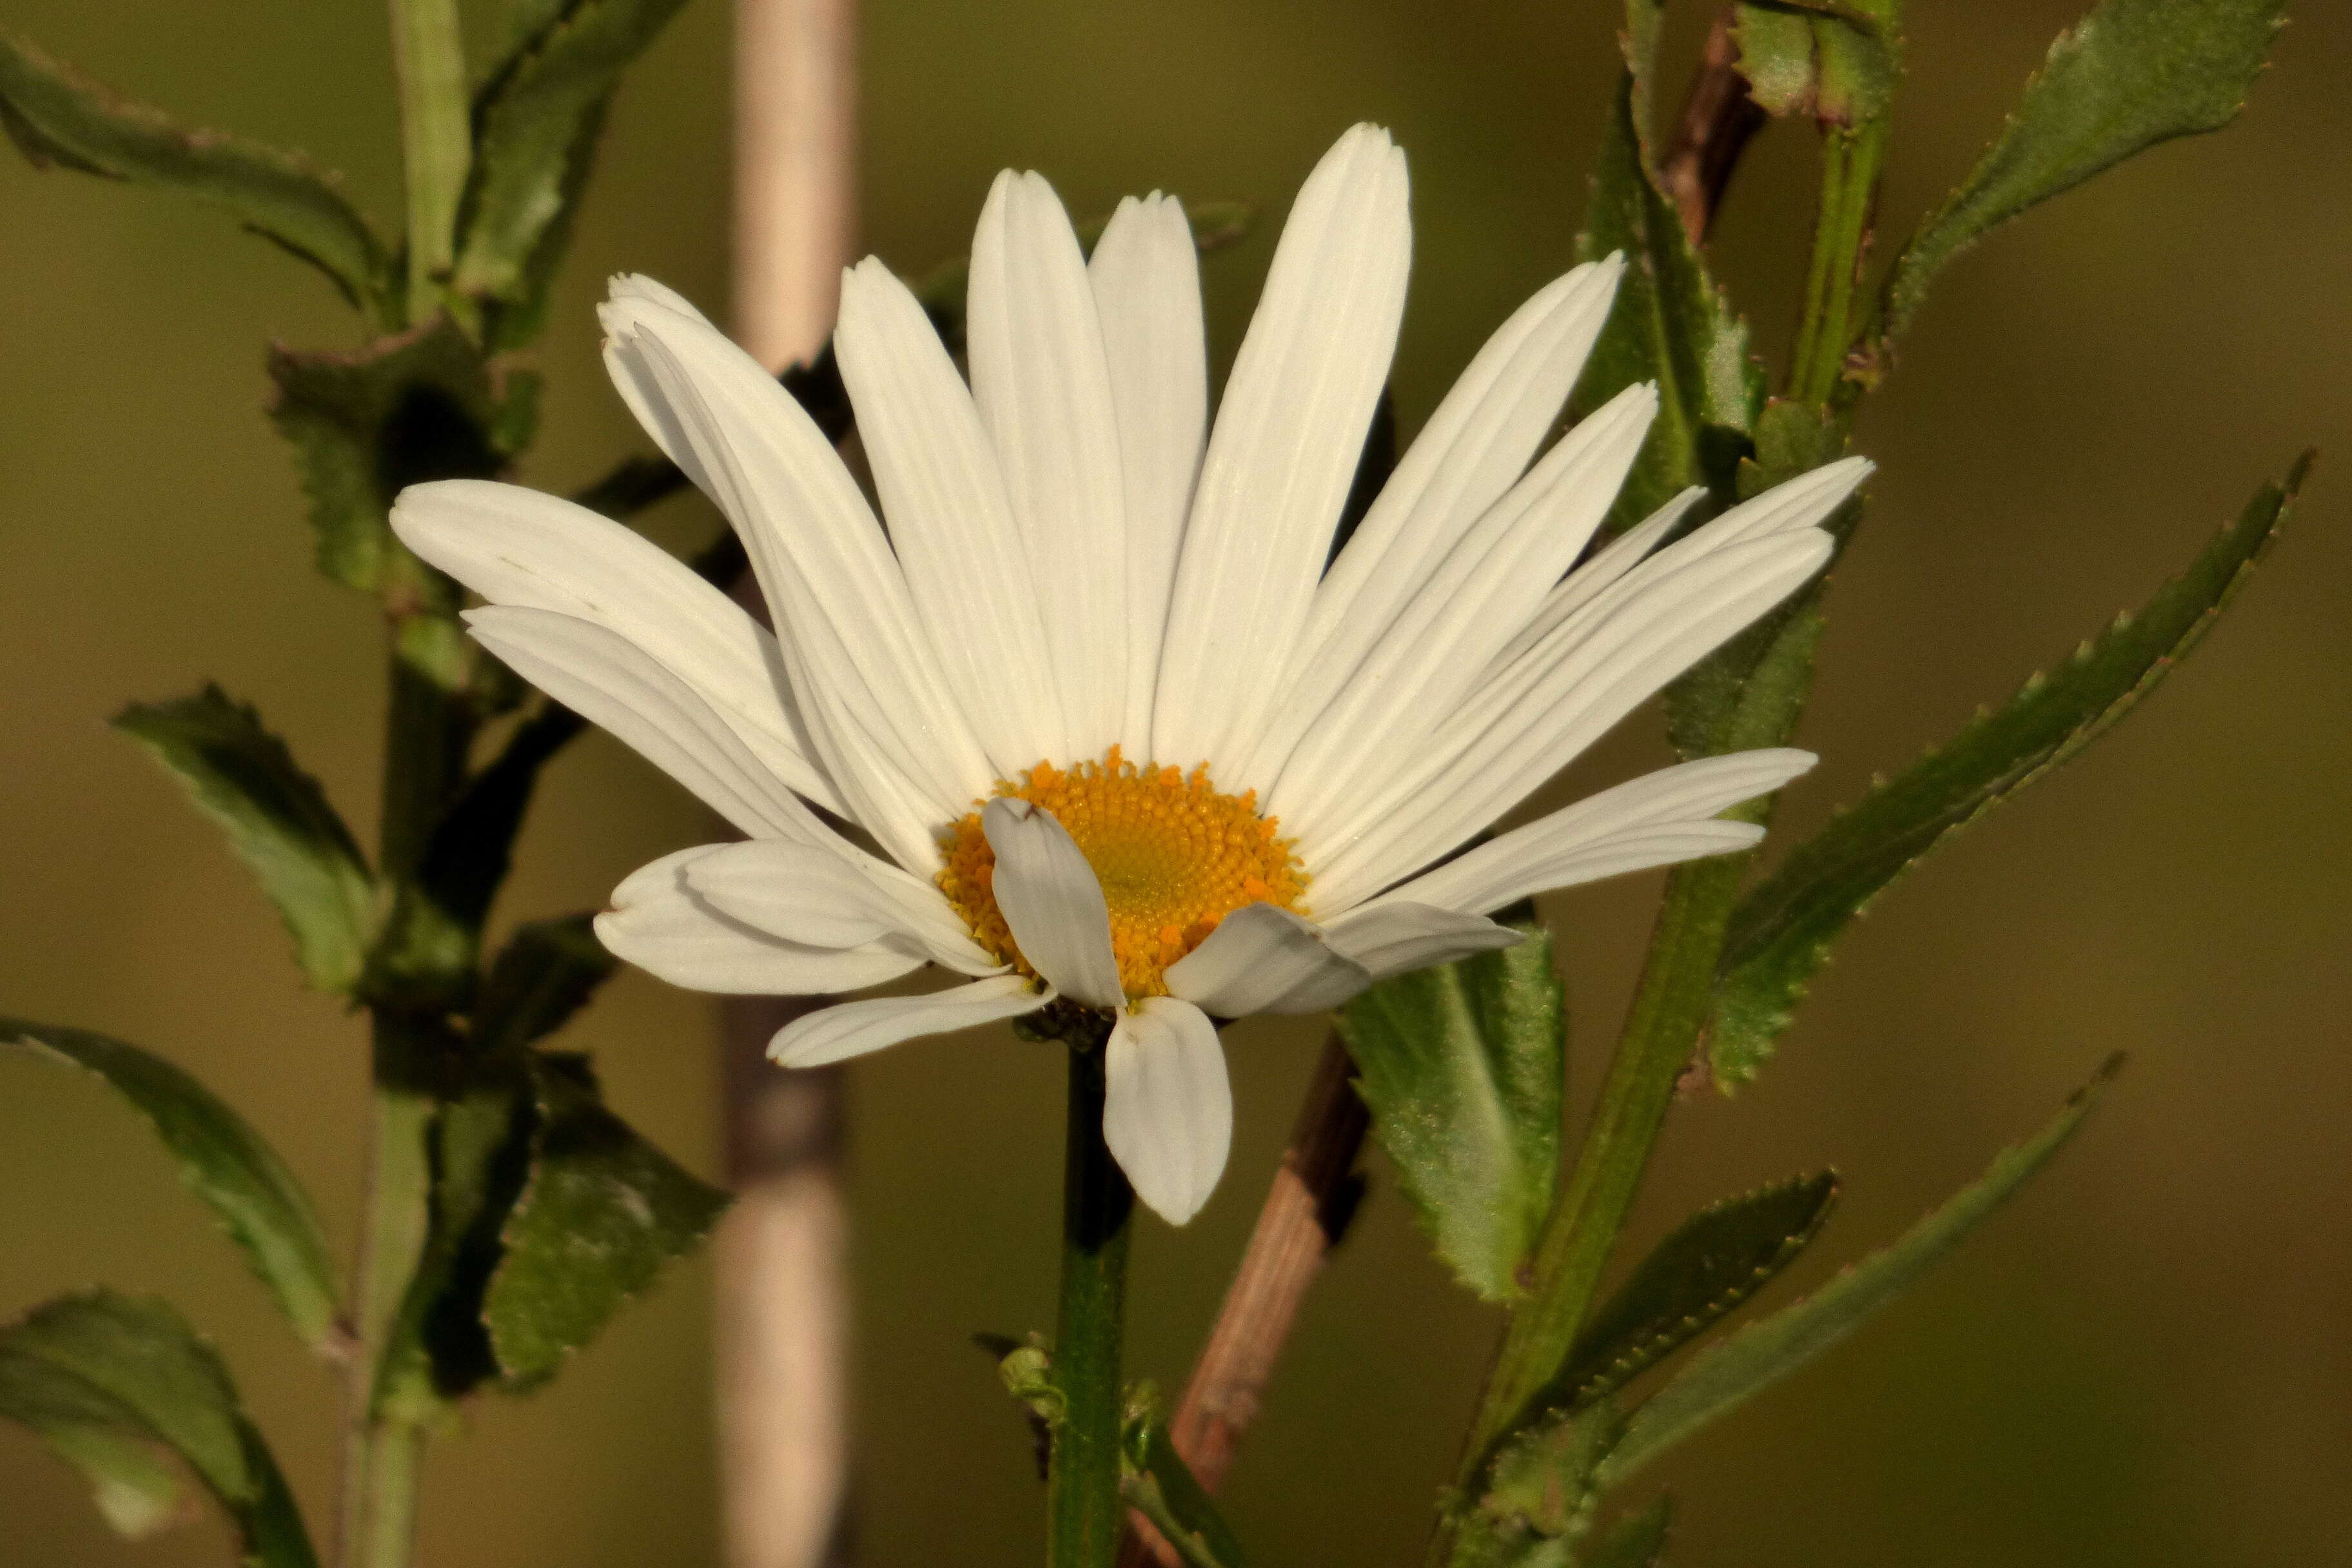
x=1717, y=119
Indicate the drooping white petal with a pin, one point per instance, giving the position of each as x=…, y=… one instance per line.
x=952, y=523
x=853, y=1028
x=1052, y=902
x=890, y=736
x=518, y=547
x=1283, y=450
x=1477, y=443
x=1540, y=713
x=1657, y=819
x=663, y=927
x=1393, y=938
x=1261, y=959
x=835, y=896
x=1146, y=273
x=1168, y=1106
x=612, y=682
x=1043, y=385
x=1417, y=670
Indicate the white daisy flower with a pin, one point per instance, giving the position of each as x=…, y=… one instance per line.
x=1101, y=727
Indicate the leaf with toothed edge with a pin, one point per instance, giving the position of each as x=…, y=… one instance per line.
x=1781, y=932
x=279, y=822
x=1711, y=1263
x=1461, y=1066
x=221, y=1158
x=1764, y=1351
x=602, y=1212
x=1156, y=1482
x=57, y=116
x=111, y=1383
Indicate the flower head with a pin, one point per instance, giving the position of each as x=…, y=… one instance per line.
x=1104, y=729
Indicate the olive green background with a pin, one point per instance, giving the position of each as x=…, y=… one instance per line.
x=2145, y=1361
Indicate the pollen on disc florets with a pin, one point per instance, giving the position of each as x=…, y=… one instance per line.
x=1174, y=857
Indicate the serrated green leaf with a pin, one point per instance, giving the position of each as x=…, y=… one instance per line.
x=55, y=115
x=1670, y=324
x=366, y=426
x=601, y=1214
x=1461, y=1065
x=534, y=130
x=1781, y=932
x=1157, y=1483
x=221, y=1158
x=1764, y=1351
x=1637, y=1541
x=2131, y=74
x=102, y=1376
x=546, y=973
x=279, y=821
x=1709, y=1265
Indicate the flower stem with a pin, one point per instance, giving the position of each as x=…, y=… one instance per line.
x=1851, y=160
x=428, y=54
x=1083, y=1511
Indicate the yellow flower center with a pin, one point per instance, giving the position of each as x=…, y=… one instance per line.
x=1174, y=857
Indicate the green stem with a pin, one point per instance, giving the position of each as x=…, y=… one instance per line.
x=382, y=1447
x=1851, y=160
x=1660, y=1034
x=1083, y=1513
x=428, y=54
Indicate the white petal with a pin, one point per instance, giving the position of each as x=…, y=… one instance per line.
x=1261, y=958
x=1052, y=902
x=853, y=1028
x=632, y=297
x=1393, y=938
x=1283, y=452
x=660, y=925
x=612, y=682
x=1168, y=1108
x=890, y=736
x=835, y=896
x=515, y=546
x=1043, y=388
x=1657, y=819
x=1146, y=272
x=1541, y=713
x=951, y=522
x=1479, y=441
x=1418, y=669
x=1582, y=586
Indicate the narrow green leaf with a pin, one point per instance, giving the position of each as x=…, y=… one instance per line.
x=1637, y=1541
x=279, y=821
x=534, y=133
x=55, y=115
x=1780, y=934
x=222, y=1158
x=1672, y=325
x=1461, y=1065
x=546, y=973
x=1764, y=1351
x=365, y=426
x=2130, y=75
x=602, y=1212
x=1158, y=1484
x=102, y=1376
x=1710, y=1264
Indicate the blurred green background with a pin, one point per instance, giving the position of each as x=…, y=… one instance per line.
x=2145, y=1361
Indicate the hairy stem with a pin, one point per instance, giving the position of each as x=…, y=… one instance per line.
x=1083, y=1509
x=435, y=142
